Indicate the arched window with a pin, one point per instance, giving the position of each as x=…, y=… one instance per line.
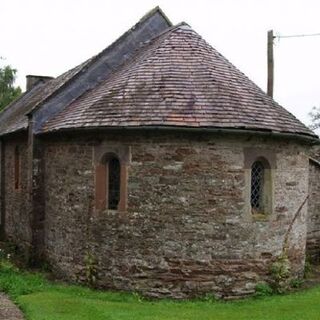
x=110, y=183
x=113, y=183
x=17, y=164
x=259, y=165
x=257, y=186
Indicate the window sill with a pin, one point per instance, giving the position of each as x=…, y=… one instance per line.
x=109, y=212
x=260, y=216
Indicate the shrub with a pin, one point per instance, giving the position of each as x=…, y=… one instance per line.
x=263, y=289
x=280, y=272
x=90, y=268
x=307, y=267
x=15, y=282
x=296, y=283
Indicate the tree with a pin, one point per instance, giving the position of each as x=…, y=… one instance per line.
x=315, y=118
x=8, y=92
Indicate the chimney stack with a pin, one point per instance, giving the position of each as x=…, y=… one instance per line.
x=32, y=80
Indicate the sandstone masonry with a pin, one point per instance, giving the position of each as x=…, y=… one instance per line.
x=15, y=201
x=313, y=240
x=187, y=230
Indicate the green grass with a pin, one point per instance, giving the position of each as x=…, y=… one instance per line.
x=42, y=300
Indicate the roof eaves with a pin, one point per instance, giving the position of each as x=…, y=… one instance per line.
x=13, y=132
x=5, y=109
x=311, y=139
x=13, y=108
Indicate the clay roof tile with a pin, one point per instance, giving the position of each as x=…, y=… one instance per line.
x=178, y=80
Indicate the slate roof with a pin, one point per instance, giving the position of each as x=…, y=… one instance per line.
x=14, y=117
x=57, y=93
x=177, y=80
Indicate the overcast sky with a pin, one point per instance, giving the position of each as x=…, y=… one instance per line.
x=47, y=37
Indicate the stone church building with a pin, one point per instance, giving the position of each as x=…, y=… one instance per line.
x=164, y=164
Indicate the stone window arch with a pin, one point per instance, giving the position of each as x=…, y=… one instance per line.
x=110, y=179
x=260, y=165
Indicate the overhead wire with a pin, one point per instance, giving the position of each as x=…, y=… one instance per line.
x=297, y=35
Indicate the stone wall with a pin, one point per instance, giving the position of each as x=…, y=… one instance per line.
x=187, y=230
x=17, y=221
x=313, y=237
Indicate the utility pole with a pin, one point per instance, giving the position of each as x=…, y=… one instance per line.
x=270, y=63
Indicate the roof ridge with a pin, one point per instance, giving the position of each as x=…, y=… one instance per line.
x=173, y=28
x=94, y=58
x=151, y=13
x=122, y=66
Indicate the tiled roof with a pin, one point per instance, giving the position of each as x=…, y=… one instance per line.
x=14, y=117
x=178, y=80
x=47, y=99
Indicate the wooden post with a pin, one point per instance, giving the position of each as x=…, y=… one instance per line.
x=270, y=63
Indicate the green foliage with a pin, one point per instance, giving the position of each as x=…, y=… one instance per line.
x=296, y=283
x=307, y=267
x=263, y=289
x=315, y=118
x=4, y=255
x=90, y=263
x=138, y=296
x=6, y=267
x=16, y=283
x=40, y=299
x=80, y=303
x=280, y=272
x=8, y=92
x=209, y=297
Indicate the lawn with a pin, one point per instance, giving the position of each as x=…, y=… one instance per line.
x=42, y=300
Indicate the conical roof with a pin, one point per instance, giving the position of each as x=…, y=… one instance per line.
x=177, y=80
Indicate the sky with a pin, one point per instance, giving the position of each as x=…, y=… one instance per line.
x=46, y=37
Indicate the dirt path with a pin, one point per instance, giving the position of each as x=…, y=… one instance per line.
x=8, y=310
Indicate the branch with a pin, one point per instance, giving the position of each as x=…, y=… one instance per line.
x=286, y=237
